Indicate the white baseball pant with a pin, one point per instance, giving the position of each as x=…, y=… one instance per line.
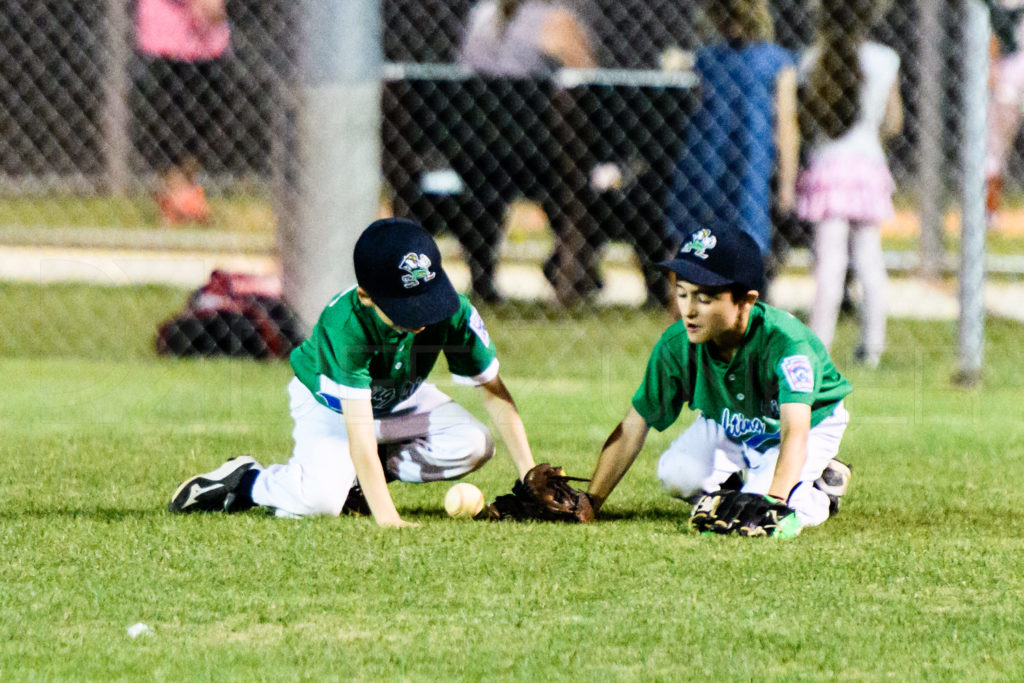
x=436, y=440
x=703, y=457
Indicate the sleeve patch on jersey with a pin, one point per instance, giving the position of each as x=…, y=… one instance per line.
x=798, y=373
x=476, y=323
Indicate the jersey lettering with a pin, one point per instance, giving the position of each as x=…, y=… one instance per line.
x=387, y=397
x=738, y=425
x=798, y=373
x=382, y=397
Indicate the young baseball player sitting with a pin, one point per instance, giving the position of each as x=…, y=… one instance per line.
x=759, y=460
x=363, y=413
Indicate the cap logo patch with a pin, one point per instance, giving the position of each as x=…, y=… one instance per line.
x=416, y=267
x=699, y=244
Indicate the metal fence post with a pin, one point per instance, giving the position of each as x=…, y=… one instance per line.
x=337, y=172
x=930, y=178
x=972, y=242
x=116, y=142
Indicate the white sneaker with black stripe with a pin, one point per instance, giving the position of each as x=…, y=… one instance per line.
x=213, y=491
x=833, y=482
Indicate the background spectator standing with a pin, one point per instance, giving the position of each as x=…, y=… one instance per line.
x=743, y=131
x=519, y=38
x=182, y=43
x=1006, y=100
x=516, y=39
x=846, y=188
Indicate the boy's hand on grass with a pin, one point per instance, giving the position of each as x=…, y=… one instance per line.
x=396, y=523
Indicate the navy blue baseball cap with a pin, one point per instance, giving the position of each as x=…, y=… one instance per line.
x=399, y=265
x=719, y=256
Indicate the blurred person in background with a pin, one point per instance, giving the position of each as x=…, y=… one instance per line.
x=515, y=39
x=849, y=104
x=519, y=38
x=743, y=133
x=1006, y=97
x=182, y=43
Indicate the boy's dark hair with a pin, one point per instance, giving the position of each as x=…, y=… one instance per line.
x=738, y=292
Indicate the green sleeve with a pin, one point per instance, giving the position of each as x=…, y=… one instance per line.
x=337, y=350
x=667, y=385
x=347, y=364
x=470, y=350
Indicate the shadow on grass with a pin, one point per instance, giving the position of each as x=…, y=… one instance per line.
x=645, y=515
x=110, y=514
x=98, y=514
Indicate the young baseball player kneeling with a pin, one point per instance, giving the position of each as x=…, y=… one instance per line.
x=759, y=460
x=363, y=413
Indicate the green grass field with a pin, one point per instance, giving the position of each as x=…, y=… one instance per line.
x=244, y=211
x=918, y=577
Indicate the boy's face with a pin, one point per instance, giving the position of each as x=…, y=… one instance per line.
x=712, y=315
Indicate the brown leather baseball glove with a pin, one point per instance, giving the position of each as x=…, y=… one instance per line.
x=543, y=494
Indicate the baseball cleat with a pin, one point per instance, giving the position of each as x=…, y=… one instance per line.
x=833, y=482
x=213, y=491
x=355, y=503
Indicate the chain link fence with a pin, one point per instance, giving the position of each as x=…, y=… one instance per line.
x=553, y=186
x=76, y=87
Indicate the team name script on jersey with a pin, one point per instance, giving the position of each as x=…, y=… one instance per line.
x=738, y=425
x=387, y=397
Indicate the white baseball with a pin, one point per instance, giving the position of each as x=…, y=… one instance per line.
x=463, y=500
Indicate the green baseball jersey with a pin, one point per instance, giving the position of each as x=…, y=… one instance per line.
x=353, y=354
x=779, y=361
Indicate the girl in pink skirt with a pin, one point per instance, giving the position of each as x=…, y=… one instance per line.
x=1006, y=97
x=845, y=188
